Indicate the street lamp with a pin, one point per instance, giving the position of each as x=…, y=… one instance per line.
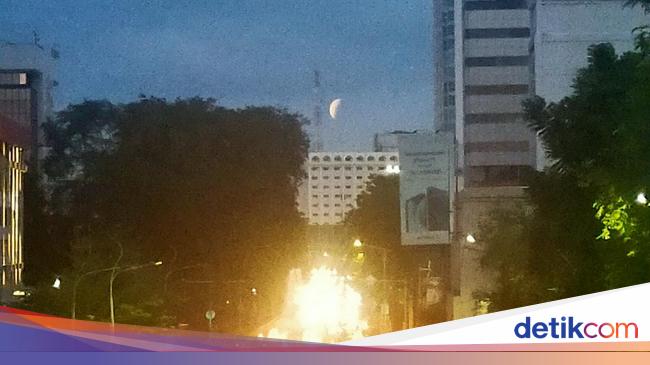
x=470, y=238
x=641, y=199
x=357, y=243
x=115, y=273
x=118, y=270
x=57, y=283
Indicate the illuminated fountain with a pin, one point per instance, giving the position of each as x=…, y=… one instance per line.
x=322, y=308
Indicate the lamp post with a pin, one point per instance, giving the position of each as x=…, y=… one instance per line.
x=357, y=243
x=118, y=270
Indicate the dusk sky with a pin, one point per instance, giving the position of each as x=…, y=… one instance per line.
x=375, y=55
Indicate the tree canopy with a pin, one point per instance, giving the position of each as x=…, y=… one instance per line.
x=208, y=190
x=586, y=230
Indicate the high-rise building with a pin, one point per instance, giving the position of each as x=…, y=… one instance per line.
x=504, y=52
x=563, y=31
x=444, y=65
x=14, y=143
x=26, y=89
x=25, y=104
x=335, y=179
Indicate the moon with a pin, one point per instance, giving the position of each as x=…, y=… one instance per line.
x=334, y=107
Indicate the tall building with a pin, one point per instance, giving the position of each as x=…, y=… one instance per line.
x=26, y=88
x=504, y=52
x=563, y=31
x=444, y=65
x=389, y=141
x=14, y=143
x=335, y=179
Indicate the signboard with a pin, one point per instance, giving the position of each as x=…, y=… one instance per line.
x=426, y=179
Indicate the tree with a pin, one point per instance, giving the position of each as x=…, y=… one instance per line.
x=376, y=221
x=189, y=182
x=584, y=232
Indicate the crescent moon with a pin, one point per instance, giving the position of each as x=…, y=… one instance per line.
x=334, y=107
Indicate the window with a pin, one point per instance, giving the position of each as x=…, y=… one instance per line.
x=337, y=168
x=326, y=205
x=371, y=158
x=496, y=5
x=22, y=78
x=315, y=215
x=326, y=168
x=327, y=159
x=326, y=214
x=314, y=196
x=326, y=195
x=498, y=175
x=513, y=89
x=315, y=205
x=393, y=158
x=348, y=158
x=382, y=158
x=348, y=177
x=359, y=168
x=370, y=168
x=337, y=177
x=314, y=177
x=496, y=61
x=481, y=33
x=359, y=158
x=338, y=214
x=348, y=186
x=326, y=177
x=337, y=195
x=509, y=146
x=326, y=187
x=337, y=205
x=348, y=168
x=314, y=186
x=337, y=187
x=489, y=118
x=315, y=159
x=359, y=186
x=337, y=158
x=314, y=169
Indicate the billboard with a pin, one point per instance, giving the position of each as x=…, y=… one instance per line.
x=426, y=180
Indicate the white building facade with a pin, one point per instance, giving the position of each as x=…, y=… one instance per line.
x=335, y=180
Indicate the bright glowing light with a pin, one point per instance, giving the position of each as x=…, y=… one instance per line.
x=254, y=291
x=19, y=293
x=57, y=283
x=357, y=243
x=325, y=254
x=470, y=238
x=392, y=169
x=641, y=199
x=324, y=308
x=158, y=263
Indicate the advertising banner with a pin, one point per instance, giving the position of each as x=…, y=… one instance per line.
x=426, y=179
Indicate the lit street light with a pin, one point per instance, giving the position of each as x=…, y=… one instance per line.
x=641, y=199
x=470, y=238
x=57, y=283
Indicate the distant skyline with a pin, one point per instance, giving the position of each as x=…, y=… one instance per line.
x=375, y=56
